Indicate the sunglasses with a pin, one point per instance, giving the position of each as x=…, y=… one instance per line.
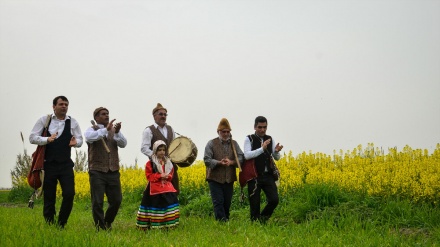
x=162, y=114
x=262, y=127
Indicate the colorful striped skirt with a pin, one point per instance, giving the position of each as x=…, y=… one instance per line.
x=158, y=211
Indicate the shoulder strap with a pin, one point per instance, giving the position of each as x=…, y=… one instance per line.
x=250, y=138
x=48, y=120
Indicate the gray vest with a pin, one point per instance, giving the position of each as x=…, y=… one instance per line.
x=222, y=174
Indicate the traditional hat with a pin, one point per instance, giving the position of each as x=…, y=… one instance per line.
x=224, y=124
x=97, y=110
x=159, y=107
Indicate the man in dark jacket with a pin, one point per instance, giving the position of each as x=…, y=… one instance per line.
x=263, y=149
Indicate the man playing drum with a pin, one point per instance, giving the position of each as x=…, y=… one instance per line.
x=160, y=130
x=221, y=157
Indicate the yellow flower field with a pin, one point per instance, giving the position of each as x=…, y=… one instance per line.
x=410, y=173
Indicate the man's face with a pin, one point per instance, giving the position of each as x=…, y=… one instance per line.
x=60, y=109
x=160, y=117
x=224, y=134
x=102, y=117
x=261, y=128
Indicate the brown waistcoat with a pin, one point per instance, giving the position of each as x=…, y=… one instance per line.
x=157, y=135
x=99, y=159
x=222, y=174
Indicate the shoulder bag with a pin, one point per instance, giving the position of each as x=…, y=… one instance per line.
x=34, y=178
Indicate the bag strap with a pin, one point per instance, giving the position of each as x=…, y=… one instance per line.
x=46, y=125
x=242, y=195
x=235, y=154
x=251, y=140
x=48, y=120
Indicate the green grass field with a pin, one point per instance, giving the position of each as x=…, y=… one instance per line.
x=315, y=216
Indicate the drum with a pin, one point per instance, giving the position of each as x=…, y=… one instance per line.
x=182, y=151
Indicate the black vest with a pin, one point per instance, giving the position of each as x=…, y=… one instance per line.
x=262, y=162
x=59, y=150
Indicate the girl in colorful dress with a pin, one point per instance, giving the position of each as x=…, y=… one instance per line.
x=159, y=207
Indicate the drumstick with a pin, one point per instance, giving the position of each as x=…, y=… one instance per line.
x=103, y=141
x=169, y=153
x=174, y=149
x=235, y=154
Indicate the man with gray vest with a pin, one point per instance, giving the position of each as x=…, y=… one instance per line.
x=160, y=130
x=103, y=140
x=221, y=156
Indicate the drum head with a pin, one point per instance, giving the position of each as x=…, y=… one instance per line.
x=180, y=149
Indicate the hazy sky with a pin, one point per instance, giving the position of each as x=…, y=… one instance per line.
x=328, y=75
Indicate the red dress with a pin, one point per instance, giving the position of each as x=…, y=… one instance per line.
x=159, y=207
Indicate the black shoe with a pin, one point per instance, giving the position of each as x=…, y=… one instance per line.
x=100, y=227
x=61, y=225
x=108, y=226
x=263, y=219
x=49, y=221
x=224, y=220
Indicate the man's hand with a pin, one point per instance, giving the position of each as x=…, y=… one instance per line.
x=117, y=127
x=52, y=138
x=72, y=142
x=278, y=147
x=265, y=143
x=110, y=125
x=226, y=162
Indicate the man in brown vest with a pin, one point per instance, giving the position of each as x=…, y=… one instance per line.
x=103, y=141
x=160, y=130
x=221, y=165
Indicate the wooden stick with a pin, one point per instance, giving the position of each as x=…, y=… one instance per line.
x=235, y=154
x=103, y=141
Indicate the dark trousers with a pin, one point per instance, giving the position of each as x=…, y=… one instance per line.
x=265, y=182
x=221, y=195
x=105, y=183
x=175, y=179
x=64, y=174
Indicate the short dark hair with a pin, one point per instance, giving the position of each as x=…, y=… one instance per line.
x=63, y=98
x=260, y=119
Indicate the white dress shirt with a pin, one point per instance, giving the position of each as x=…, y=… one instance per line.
x=251, y=154
x=56, y=125
x=93, y=135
